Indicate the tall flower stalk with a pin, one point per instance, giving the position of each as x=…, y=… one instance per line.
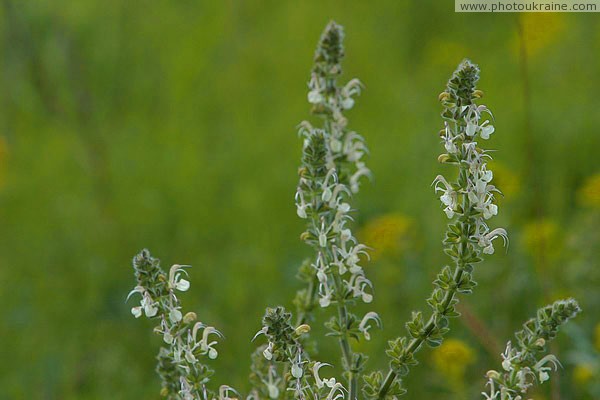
x=469, y=203
x=331, y=169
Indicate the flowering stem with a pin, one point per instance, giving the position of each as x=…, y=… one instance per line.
x=468, y=203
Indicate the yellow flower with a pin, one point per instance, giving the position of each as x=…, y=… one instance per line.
x=452, y=358
x=583, y=374
x=387, y=234
x=540, y=30
x=541, y=238
x=597, y=337
x=589, y=193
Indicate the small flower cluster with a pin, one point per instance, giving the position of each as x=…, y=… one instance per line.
x=521, y=365
x=183, y=375
x=285, y=348
x=468, y=202
x=322, y=199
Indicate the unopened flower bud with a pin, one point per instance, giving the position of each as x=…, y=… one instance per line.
x=301, y=329
x=189, y=317
x=304, y=236
x=477, y=94
x=443, y=158
x=491, y=374
x=444, y=96
x=541, y=342
x=164, y=392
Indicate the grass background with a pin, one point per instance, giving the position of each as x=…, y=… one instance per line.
x=171, y=125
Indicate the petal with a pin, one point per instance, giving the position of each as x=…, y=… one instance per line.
x=182, y=285
x=137, y=311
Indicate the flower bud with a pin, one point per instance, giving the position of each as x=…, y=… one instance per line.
x=444, y=96
x=301, y=329
x=478, y=94
x=189, y=317
x=443, y=158
x=304, y=236
x=491, y=374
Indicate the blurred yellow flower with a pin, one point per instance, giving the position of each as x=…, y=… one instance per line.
x=589, y=193
x=597, y=337
x=541, y=238
x=505, y=179
x=388, y=234
x=452, y=358
x=540, y=30
x=583, y=374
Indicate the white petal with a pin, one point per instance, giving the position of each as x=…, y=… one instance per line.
x=348, y=103
x=136, y=311
x=470, y=130
x=182, y=285
x=314, y=97
x=175, y=315
x=486, y=131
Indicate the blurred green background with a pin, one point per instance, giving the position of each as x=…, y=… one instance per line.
x=171, y=125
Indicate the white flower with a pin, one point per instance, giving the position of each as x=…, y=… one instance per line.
x=364, y=323
x=541, y=368
x=362, y=170
x=358, y=284
x=471, y=128
x=485, y=240
x=297, y=370
x=315, y=370
x=224, y=393
x=301, y=205
x=449, y=197
x=205, y=345
x=175, y=280
x=147, y=304
x=352, y=88
x=326, y=295
x=175, y=315
x=268, y=352
x=335, y=145
x=347, y=103
x=486, y=130
x=508, y=356
x=315, y=97
x=272, y=382
x=322, y=234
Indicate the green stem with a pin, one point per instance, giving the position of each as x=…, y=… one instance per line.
x=347, y=353
x=415, y=344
